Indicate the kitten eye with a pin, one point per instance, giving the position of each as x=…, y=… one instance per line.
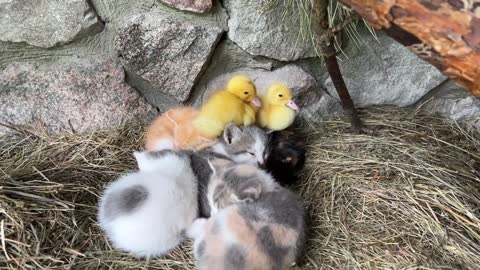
x=253, y=154
x=280, y=95
x=246, y=93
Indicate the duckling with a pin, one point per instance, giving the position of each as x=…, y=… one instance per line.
x=278, y=110
x=236, y=104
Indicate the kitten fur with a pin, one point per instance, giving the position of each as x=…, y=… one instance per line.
x=146, y=213
x=266, y=232
x=240, y=145
x=243, y=145
x=174, y=130
x=285, y=157
x=232, y=183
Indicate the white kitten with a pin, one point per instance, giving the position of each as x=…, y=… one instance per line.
x=147, y=213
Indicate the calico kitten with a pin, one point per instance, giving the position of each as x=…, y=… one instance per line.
x=285, y=156
x=146, y=213
x=241, y=145
x=259, y=225
x=232, y=183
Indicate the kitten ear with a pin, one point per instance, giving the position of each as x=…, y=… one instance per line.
x=231, y=133
x=218, y=164
x=251, y=193
x=302, y=146
x=196, y=229
x=218, y=198
x=142, y=159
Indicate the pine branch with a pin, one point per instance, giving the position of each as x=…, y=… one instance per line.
x=344, y=23
x=342, y=90
x=330, y=33
x=324, y=36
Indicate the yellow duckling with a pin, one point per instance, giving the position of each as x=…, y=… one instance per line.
x=278, y=110
x=235, y=105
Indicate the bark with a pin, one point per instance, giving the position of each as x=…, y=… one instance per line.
x=445, y=33
x=324, y=41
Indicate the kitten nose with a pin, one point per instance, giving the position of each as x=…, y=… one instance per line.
x=261, y=164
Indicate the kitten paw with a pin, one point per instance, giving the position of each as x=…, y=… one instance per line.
x=196, y=228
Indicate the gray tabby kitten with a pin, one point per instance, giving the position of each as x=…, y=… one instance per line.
x=259, y=224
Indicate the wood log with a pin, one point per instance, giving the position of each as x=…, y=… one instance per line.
x=445, y=33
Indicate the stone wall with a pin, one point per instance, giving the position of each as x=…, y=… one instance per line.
x=80, y=65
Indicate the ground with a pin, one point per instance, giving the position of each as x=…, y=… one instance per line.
x=404, y=195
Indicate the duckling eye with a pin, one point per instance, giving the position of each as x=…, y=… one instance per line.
x=280, y=95
x=246, y=93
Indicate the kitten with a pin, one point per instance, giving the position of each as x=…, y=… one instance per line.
x=174, y=130
x=232, y=183
x=146, y=213
x=257, y=226
x=241, y=145
x=285, y=157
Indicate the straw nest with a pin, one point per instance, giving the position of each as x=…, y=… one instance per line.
x=405, y=195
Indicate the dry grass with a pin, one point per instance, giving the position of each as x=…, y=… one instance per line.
x=405, y=196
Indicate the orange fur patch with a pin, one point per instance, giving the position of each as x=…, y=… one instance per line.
x=247, y=237
x=283, y=235
x=176, y=125
x=240, y=229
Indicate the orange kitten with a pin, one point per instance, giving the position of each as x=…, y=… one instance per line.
x=174, y=130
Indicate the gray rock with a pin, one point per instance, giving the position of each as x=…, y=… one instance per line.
x=384, y=72
x=263, y=28
x=169, y=53
x=304, y=87
x=199, y=6
x=47, y=23
x=453, y=102
x=81, y=96
x=325, y=107
x=227, y=58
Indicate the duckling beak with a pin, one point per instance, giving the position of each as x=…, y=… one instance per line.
x=256, y=102
x=292, y=105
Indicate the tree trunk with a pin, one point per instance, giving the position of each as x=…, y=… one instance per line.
x=445, y=33
x=324, y=41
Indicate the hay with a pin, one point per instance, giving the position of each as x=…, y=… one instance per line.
x=407, y=195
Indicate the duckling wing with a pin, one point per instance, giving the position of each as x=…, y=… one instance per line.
x=263, y=115
x=207, y=126
x=280, y=117
x=220, y=109
x=249, y=115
